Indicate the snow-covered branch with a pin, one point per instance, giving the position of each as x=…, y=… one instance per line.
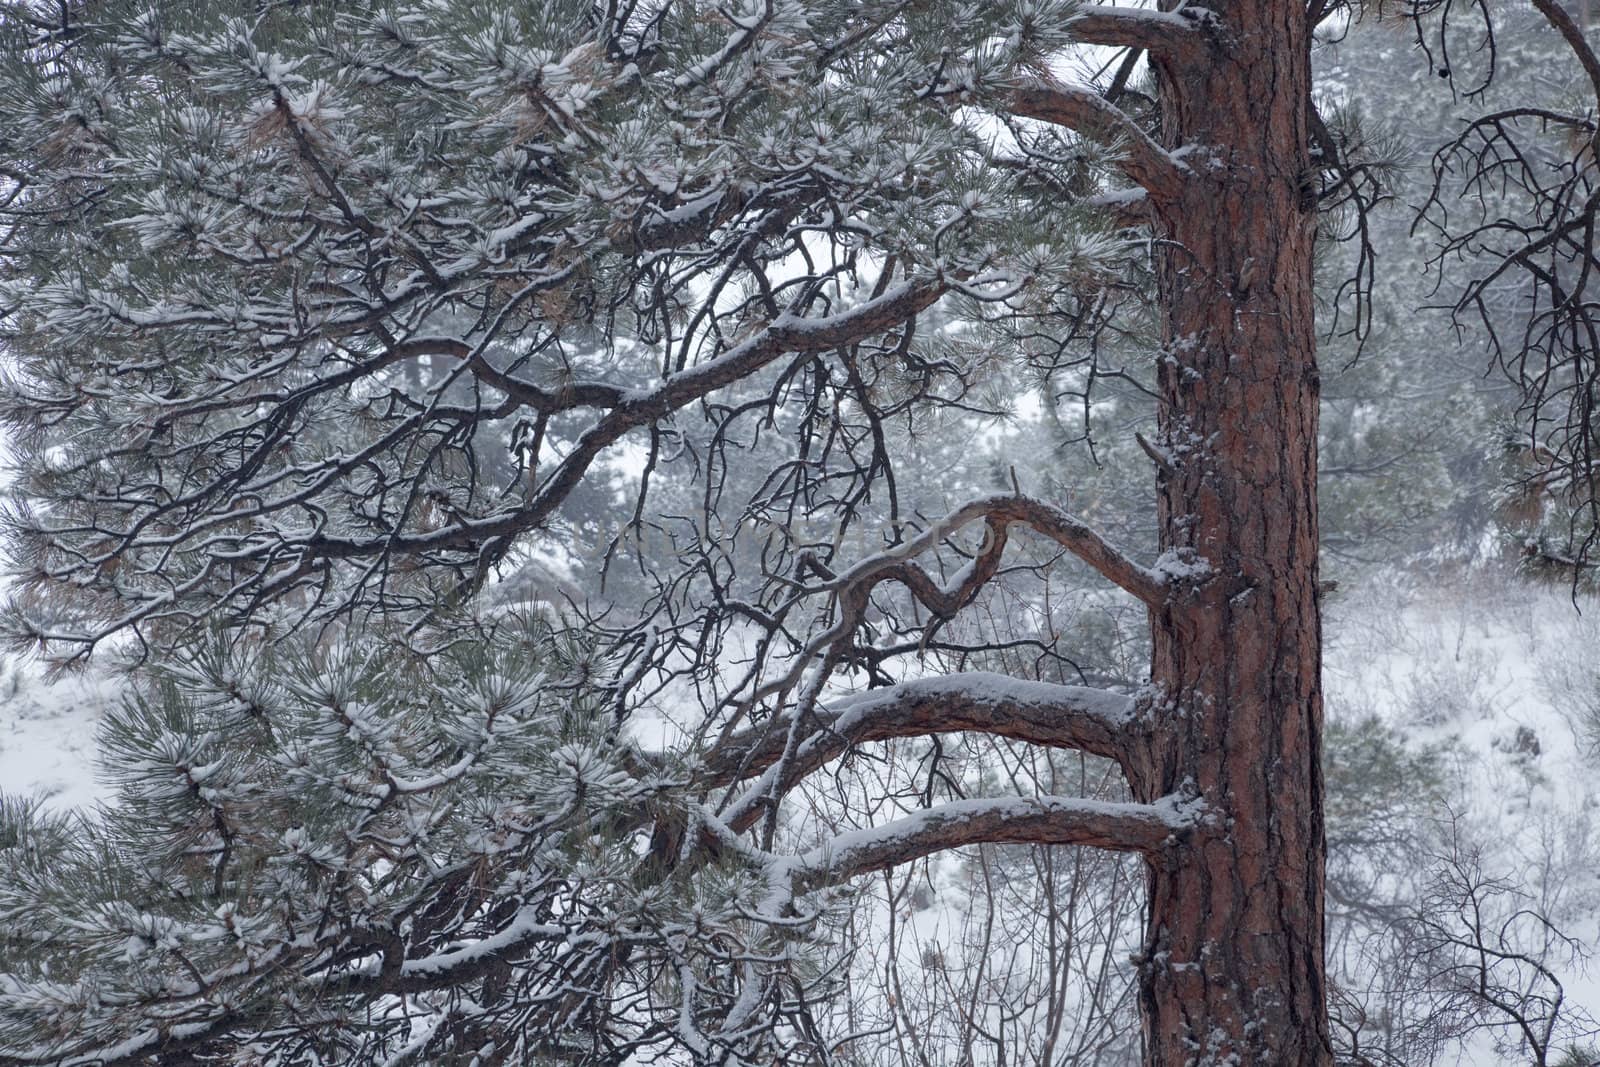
x=1089, y=113
x=1045, y=820
x=1046, y=520
x=1165, y=33
x=787, y=334
x=1091, y=720
x=851, y=590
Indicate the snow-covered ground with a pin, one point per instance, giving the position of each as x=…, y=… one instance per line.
x=47, y=733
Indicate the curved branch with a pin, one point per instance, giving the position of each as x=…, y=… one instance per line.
x=787, y=334
x=1047, y=820
x=1165, y=33
x=854, y=585
x=1087, y=112
x=1046, y=520
x=1572, y=33
x=1085, y=542
x=1068, y=716
x=548, y=401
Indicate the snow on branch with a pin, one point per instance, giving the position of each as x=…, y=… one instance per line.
x=1166, y=33
x=787, y=334
x=1091, y=720
x=1045, y=820
x=1090, y=114
x=1049, y=521
x=852, y=589
x=280, y=557
x=745, y=33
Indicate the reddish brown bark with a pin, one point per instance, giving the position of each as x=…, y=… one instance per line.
x=1233, y=964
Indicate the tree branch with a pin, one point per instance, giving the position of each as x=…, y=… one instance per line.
x=1047, y=520
x=1142, y=828
x=789, y=333
x=854, y=586
x=1083, y=541
x=1067, y=716
x=1572, y=33
x=1087, y=112
x=1165, y=33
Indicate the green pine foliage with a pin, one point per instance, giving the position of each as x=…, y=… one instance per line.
x=329, y=855
x=327, y=326
x=311, y=304
x=323, y=320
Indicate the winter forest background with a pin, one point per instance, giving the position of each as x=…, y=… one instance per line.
x=1462, y=682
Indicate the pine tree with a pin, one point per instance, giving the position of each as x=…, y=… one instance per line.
x=321, y=316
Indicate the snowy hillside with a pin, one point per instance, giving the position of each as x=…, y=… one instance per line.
x=1498, y=677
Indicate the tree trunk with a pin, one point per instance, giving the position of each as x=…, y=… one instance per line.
x=1233, y=963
